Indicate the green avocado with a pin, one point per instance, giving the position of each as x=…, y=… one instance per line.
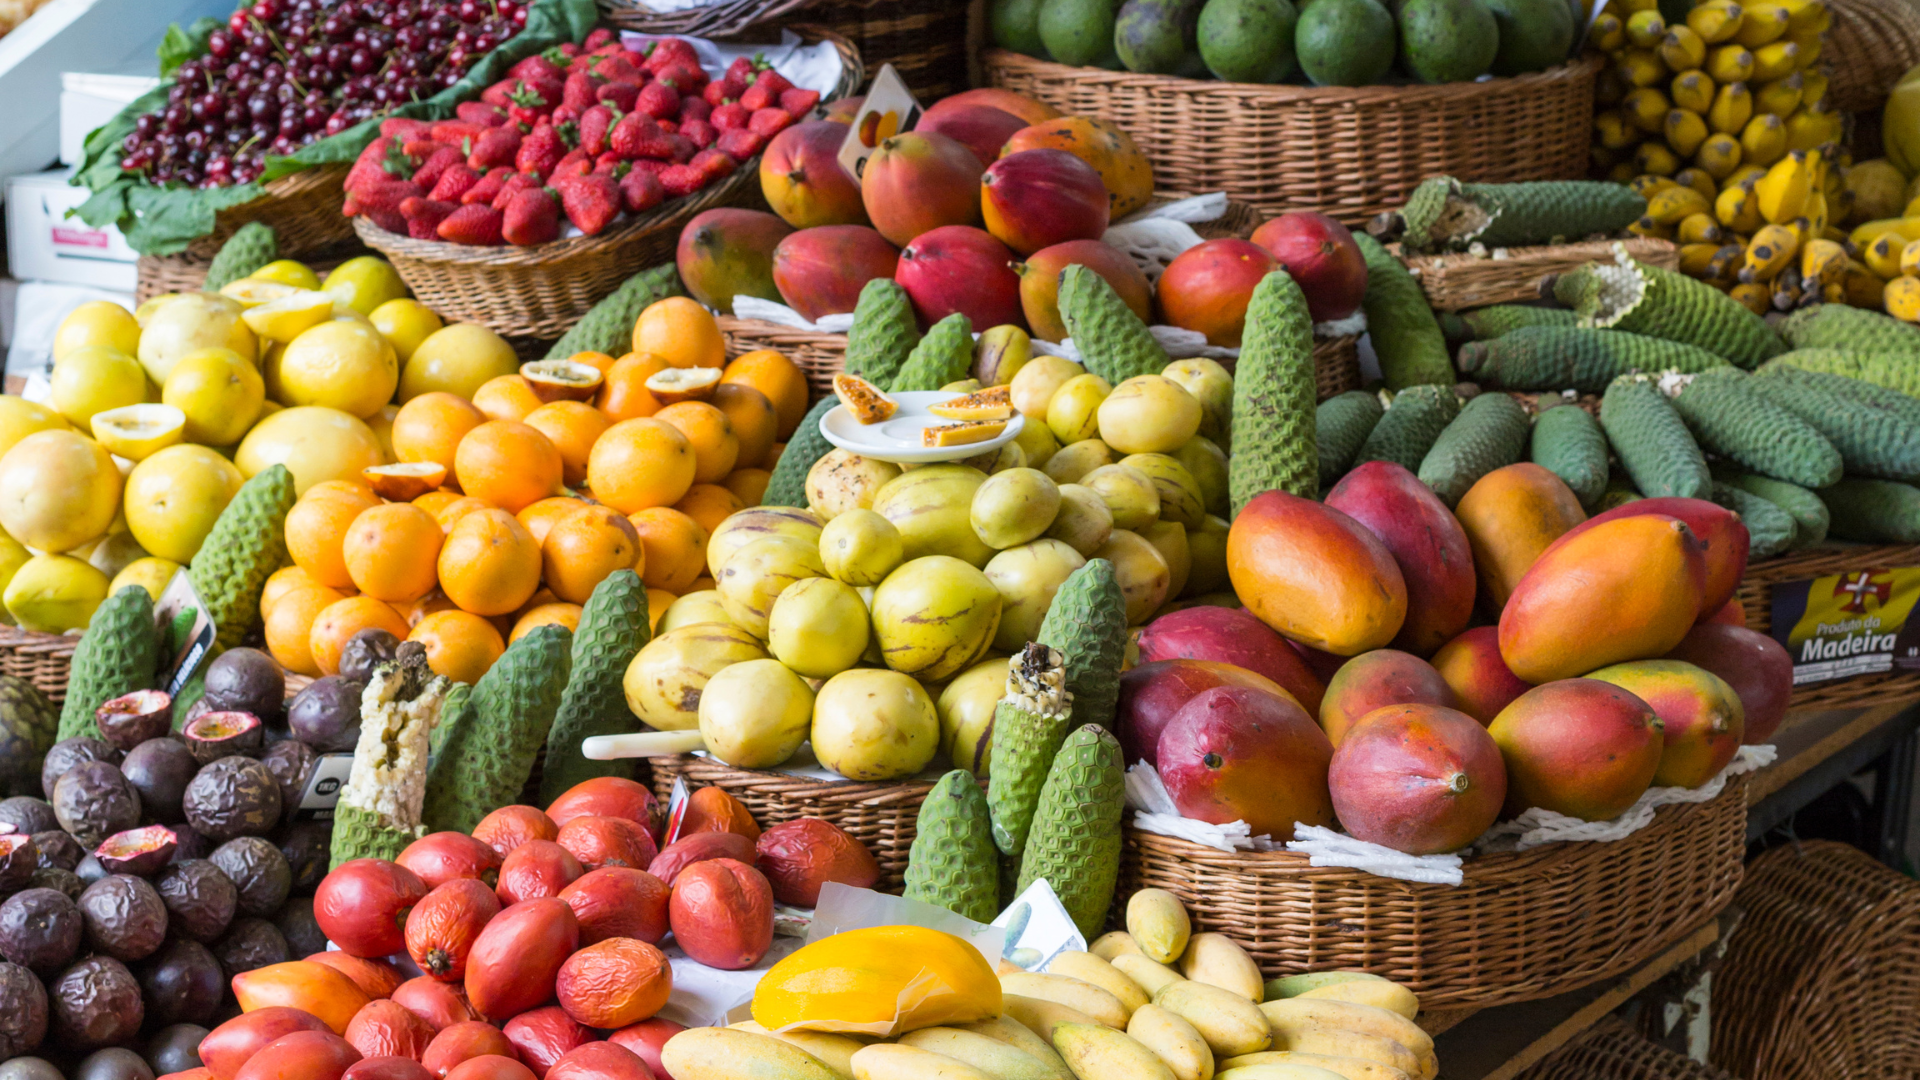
x=1444, y=41
x=1534, y=34
x=1016, y=25
x=1156, y=37
x=1248, y=41
x=1077, y=32
x=1344, y=42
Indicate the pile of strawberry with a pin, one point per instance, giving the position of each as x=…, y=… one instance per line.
x=585, y=132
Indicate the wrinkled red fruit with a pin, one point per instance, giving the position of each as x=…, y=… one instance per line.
x=800, y=856
x=607, y=841
x=384, y=1029
x=442, y=928
x=386, y=1068
x=362, y=906
x=441, y=1005
x=463, y=1042
x=607, y=796
x=722, y=914
x=543, y=1036
x=618, y=901
x=700, y=847
x=645, y=1040
x=512, y=967
x=228, y=1046
x=309, y=1055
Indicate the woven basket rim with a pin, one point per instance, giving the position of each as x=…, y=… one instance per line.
x=714, y=20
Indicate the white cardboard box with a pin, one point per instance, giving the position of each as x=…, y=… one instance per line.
x=89, y=100
x=43, y=244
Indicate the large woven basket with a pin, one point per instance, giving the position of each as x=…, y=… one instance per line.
x=1610, y=1050
x=1457, y=281
x=1522, y=926
x=1869, y=46
x=304, y=210
x=41, y=659
x=723, y=19
x=1756, y=596
x=1351, y=152
x=162, y=274
x=1822, y=979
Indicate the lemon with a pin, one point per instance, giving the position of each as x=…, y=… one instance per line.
x=288, y=272
x=139, y=431
x=191, y=322
x=20, y=418
x=290, y=316
x=114, y=552
x=315, y=443
x=145, y=312
x=13, y=556
x=174, y=496
x=340, y=365
x=366, y=283
x=220, y=393
x=55, y=593
x=405, y=324
x=95, y=378
x=381, y=424
x=97, y=322
x=270, y=370
x=152, y=573
x=251, y=293
x=457, y=359
x=58, y=490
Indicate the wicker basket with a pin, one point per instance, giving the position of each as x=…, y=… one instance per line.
x=1869, y=46
x=1349, y=152
x=1822, y=979
x=1455, y=282
x=41, y=659
x=304, y=210
x=1610, y=1050
x=1756, y=596
x=724, y=19
x=1523, y=926
x=162, y=274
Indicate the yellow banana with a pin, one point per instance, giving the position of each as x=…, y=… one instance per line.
x=1715, y=22
x=1608, y=33
x=1762, y=24
x=1902, y=298
x=1645, y=228
x=1764, y=140
x=1699, y=180
x=1774, y=61
x=1863, y=287
x=1772, y=248
x=1781, y=96
x=1692, y=90
x=1699, y=228
x=1809, y=46
x=1886, y=256
x=1823, y=261
x=1696, y=258
x=1813, y=86
x=1909, y=259
x=1647, y=108
x=1732, y=108
x=1787, y=289
x=1614, y=130
x=1744, y=173
x=1674, y=204
x=1783, y=191
x=1645, y=29
x=1729, y=63
x=1755, y=297
x=1642, y=67
x=1816, y=213
x=1802, y=231
x=1631, y=6
x=1681, y=48
x=1803, y=15
x=1621, y=172
x=1737, y=209
x=1653, y=157
x=1685, y=131
x=1726, y=262
x=1810, y=126
x=1648, y=185
x=1719, y=156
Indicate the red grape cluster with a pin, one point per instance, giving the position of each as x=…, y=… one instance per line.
x=283, y=73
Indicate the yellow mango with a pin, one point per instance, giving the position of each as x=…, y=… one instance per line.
x=881, y=980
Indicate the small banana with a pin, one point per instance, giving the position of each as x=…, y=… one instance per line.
x=1781, y=96
x=1787, y=289
x=1810, y=46
x=1699, y=228
x=1813, y=86
x=1811, y=125
x=1816, y=213
x=1725, y=264
x=1653, y=157
x=1783, y=191
x=1715, y=22
x=1775, y=61
x=1902, y=298
x=1823, y=261
x=1744, y=173
x=1699, y=180
x=1771, y=250
x=1614, y=130
x=1692, y=90
x=1762, y=24
x=1647, y=108
x=1608, y=33
x=1642, y=67
x=1645, y=29
x=1764, y=140
x=1647, y=185
x=1674, y=204
x=1756, y=298
x=1729, y=63
x=1648, y=229
x=1803, y=15
x=1909, y=259
x=1719, y=156
x=1863, y=287
x=1685, y=131
x=1886, y=255
x=1695, y=259
x=1731, y=109
x=1681, y=48
x=1737, y=209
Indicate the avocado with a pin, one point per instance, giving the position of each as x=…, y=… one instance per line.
x=1156, y=37
x=1077, y=32
x=1444, y=41
x=1344, y=42
x=1534, y=34
x=1248, y=41
x=1016, y=25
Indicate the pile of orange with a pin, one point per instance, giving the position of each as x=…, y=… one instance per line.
x=542, y=500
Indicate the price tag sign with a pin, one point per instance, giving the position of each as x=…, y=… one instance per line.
x=889, y=109
x=181, y=619
x=1853, y=623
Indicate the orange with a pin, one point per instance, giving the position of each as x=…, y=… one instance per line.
x=709, y=504
x=435, y=501
x=715, y=446
x=540, y=517
x=317, y=528
x=390, y=552
x=703, y=583
x=748, y=485
x=280, y=583
x=658, y=601
x=541, y=597
x=460, y=645
x=640, y=463
x=490, y=564
x=290, y=626
x=777, y=377
x=506, y=397
x=753, y=420
x=773, y=456
x=674, y=547
x=624, y=396
x=599, y=361
x=681, y=332
x=344, y=618
x=425, y=606
x=581, y=549
x=429, y=427
x=573, y=427
x=457, y=509
x=508, y=464
x=567, y=615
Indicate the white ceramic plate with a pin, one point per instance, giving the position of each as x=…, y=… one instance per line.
x=897, y=438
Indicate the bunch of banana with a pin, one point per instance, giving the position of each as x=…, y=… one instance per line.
x=1890, y=248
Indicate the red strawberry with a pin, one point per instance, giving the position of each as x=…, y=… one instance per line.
x=651, y=166
x=595, y=126
x=456, y=132
x=620, y=95
x=699, y=133
x=567, y=48
x=668, y=51
x=497, y=147
x=765, y=91
x=473, y=224
x=694, y=108
x=500, y=94
x=637, y=59
x=715, y=94
x=591, y=202
x=456, y=181
x=636, y=136
x=540, y=91
x=385, y=196
x=577, y=92
x=480, y=113
x=657, y=101
x=768, y=122
x=526, y=117
x=640, y=191
x=681, y=180
x=599, y=36
x=547, y=64
x=740, y=143
x=371, y=165
x=611, y=162
x=728, y=117
x=574, y=164
x=739, y=76
x=437, y=164
x=488, y=187
x=683, y=78
x=515, y=184
x=531, y=217
x=424, y=217
x=399, y=127
x=683, y=148
x=617, y=69
x=799, y=103
x=714, y=164
x=421, y=145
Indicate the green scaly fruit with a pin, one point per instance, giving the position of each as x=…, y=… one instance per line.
x=1810, y=521
x=1273, y=397
x=1733, y=419
x=1653, y=443
x=1633, y=296
x=1414, y=419
x=1770, y=530
x=1075, y=841
x=117, y=655
x=1406, y=336
x=1575, y=358
x=1850, y=329
x=1567, y=442
x=953, y=863
x=251, y=247
x=29, y=726
x=883, y=333
x=1893, y=371
x=1874, y=511
x=614, y=625
x=1502, y=319
x=944, y=356
x=489, y=754
x=379, y=812
x=1904, y=407
x=1029, y=724
x=1341, y=425
x=1113, y=343
x=788, y=484
x=247, y=544
x=459, y=700
x=608, y=327
x=1489, y=433
x=1087, y=622
x=1872, y=441
x=1444, y=214
x=1620, y=491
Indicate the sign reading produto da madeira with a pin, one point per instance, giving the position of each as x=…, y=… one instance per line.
x=1854, y=623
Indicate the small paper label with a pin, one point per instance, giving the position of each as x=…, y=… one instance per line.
x=676, y=811
x=179, y=603
x=1038, y=928
x=1854, y=623
x=330, y=774
x=889, y=110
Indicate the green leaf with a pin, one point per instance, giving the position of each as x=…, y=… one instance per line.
x=179, y=46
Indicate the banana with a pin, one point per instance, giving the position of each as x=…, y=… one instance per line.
x=1719, y=156
x=1744, y=173
x=1339, y=1042
x=1909, y=265
x=1621, y=171
x=1862, y=287
x=1646, y=108
x=1762, y=24
x=1075, y=994
x=1783, y=191
x=1699, y=180
x=1813, y=86
x=1786, y=289
x=1729, y=63
x=1803, y=15
x=1697, y=259
x=1675, y=204
x=1774, y=61
x=1726, y=260
x=1174, y=1041
x=1770, y=251
x=1608, y=33
x=1089, y=968
x=1218, y=960
x=1699, y=229
x=1685, y=131
x=1643, y=227
x=1754, y=298
x=1645, y=29
x=1811, y=125
x=1822, y=261
x=1781, y=96
x=1731, y=109
x=1763, y=140
x=1737, y=209
x=1642, y=67
x=894, y=1061
x=1151, y=975
x=1810, y=46
x=1350, y=1068
x=990, y=1056
x=1654, y=157
x=1115, y=943
x=1692, y=90
x=1816, y=214
x=1646, y=186
x=1902, y=299
x=1715, y=22
x=1093, y=1051
x=1886, y=255
x=1682, y=48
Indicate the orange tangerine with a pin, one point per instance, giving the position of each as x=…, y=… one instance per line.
x=430, y=427
x=640, y=463
x=624, y=395
x=540, y=517
x=658, y=601
x=681, y=332
x=354, y=485
x=425, y=606
x=777, y=377
x=460, y=645
x=753, y=420
x=598, y=360
x=715, y=446
x=490, y=563
x=289, y=626
x=703, y=583
x=280, y=583
x=342, y=619
x=748, y=485
x=317, y=527
x=506, y=397
x=391, y=550
x=508, y=464
x=582, y=548
x=457, y=509
x=435, y=501
x=674, y=547
x=567, y=615
x=709, y=504
x=573, y=427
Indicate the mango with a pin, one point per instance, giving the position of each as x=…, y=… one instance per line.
x=1376, y=680
x=1701, y=718
x=1207, y=287
x=1088, y=968
x=1150, y=975
x=727, y=252
x=1033, y=199
x=1580, y=747
x=1423, y=779
x=916, y=182
x=893, y=1061
x=1315, y=575
x=1723, y=539
x=820, y=271
x=882, y=980
x=1627, y=589
x=803, y=180
x=1757, y=667
x=983, y=129
x=1235, y=753
x=1510, y=516
x=997, y=1059
x=1124, y=170
x=1481, y=682
x=1427, y=543
x=961, y=268
x=1227, y=636
x=1040, y=283
x=1032, y=110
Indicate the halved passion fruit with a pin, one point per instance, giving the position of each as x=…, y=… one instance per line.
x=562, y=380
x=405, y=481
x=683, y=384
x=212, y=736
x=131, y=719
x=138, y=851
x=993, y=403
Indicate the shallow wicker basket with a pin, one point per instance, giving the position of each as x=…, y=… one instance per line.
x=1756, y=596
x=1351, y=152
x=1822, y=978
x=304, y=210
x=41, y=659
x=161, y=274
x=1457, y=281
x=1869, y=46
x=1523, y=926
x=1610, y=1050
x=723, y=19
